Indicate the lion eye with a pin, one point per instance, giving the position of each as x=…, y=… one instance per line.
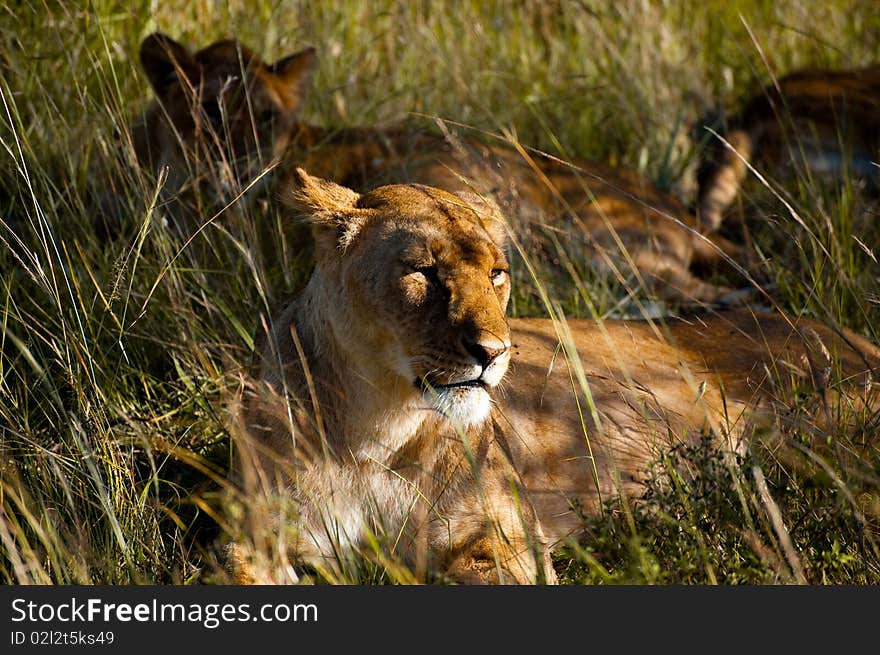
x=498, y=276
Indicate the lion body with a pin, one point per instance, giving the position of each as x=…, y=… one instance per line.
x=654, y=386
x=610, y=218
x=823, y=121
x=383, y=408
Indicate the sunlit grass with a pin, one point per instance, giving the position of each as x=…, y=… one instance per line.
x=119, y=348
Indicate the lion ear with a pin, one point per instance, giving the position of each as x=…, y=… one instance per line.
x=294, y=73
x=490, y=214
x=330, y=208
x=164, y=60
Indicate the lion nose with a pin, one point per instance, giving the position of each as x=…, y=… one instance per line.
x=485, y=351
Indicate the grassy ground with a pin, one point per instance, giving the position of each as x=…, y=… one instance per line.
x=118, y=354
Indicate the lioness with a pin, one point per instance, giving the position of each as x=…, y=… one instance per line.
x=398, y=405
x=827, y=121
x=224, y=104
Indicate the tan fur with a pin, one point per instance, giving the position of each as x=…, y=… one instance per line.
x=824, y=120
x=611, y=217
x=337, y=436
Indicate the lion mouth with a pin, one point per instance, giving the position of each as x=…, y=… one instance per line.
x=465, y=402
x=425, y=385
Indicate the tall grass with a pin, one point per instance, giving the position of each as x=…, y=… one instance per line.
x=119, y=348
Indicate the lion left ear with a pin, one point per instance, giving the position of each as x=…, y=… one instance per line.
x=491, y=217
x=330, y=208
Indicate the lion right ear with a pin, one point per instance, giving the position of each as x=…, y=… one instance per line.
x=164, y=60
x=330, y=208
x=294, y=74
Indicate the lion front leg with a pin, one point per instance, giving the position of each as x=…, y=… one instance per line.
x=485, y=561
x=494, y=537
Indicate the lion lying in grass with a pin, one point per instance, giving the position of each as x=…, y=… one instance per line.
x=401, y=416
x=820, y=121
x=223, y=115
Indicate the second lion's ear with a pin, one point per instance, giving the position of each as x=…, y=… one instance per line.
x=330, y=208
x=164, y=60
x=294, y=73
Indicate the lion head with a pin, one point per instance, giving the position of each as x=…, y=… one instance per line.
x=221, y=105
x=414, y=284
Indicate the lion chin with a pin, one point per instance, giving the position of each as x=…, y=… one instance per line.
x=463, y=406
